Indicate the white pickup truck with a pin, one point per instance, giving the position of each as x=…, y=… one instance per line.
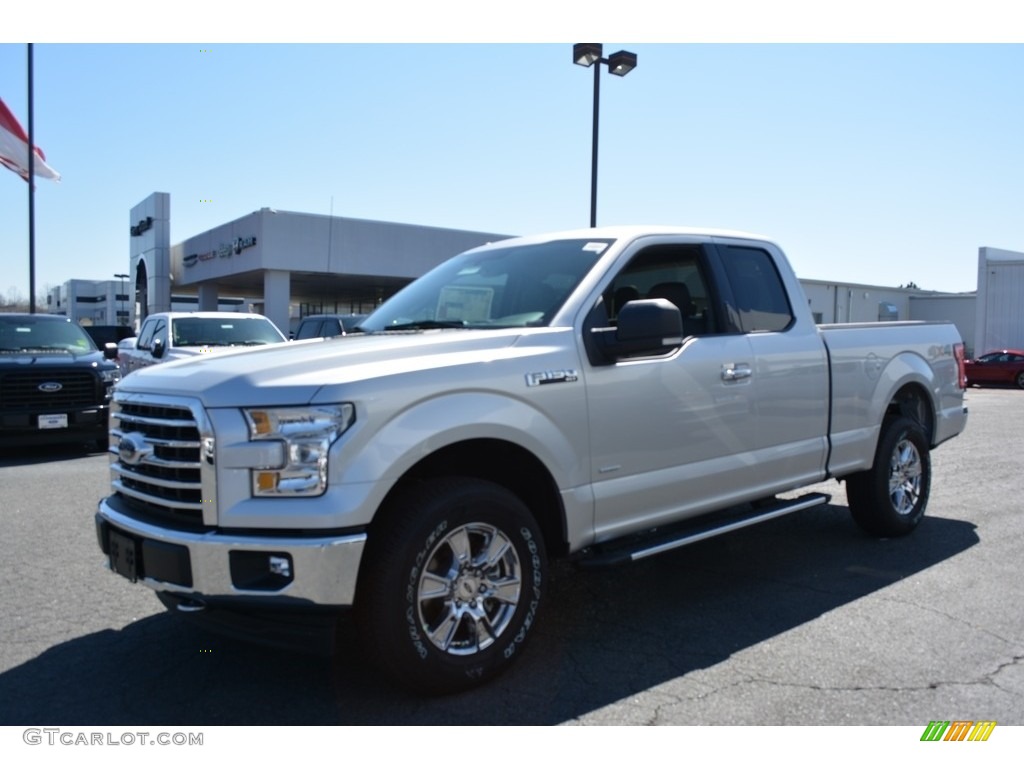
x=167, y=336
x=605, y=394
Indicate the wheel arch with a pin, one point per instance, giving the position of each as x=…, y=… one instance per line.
x=914, y=401
x=503, y=463
x=906, y=387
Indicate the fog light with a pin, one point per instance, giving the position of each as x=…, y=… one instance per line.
x=260, y=571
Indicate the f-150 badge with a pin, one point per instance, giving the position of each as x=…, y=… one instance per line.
x=550, y=377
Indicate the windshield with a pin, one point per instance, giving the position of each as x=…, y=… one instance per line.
x=28, y=334
x=221, y=332
x=509, y=287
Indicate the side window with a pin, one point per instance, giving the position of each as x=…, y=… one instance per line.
x=331, y=328
x=671, y=272
x=160, y=332
x=146, y=335
x=758, y=290
x=308, y=329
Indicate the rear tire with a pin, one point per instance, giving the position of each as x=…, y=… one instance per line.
x=1020, y=379
x=452, y=580
x=890, y=498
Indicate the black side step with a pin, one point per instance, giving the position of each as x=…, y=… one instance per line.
x=632, y=549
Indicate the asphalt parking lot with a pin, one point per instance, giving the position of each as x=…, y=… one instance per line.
x=800, y=621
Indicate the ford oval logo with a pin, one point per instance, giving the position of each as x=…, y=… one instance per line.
x=133, y=448
x=50, y=386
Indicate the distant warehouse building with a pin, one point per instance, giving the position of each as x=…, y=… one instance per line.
x=999, y=312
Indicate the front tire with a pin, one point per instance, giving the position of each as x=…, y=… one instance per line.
x=890, y=498
x=1020, y=379
x=453, y=578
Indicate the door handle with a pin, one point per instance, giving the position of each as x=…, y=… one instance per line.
x=736, y=371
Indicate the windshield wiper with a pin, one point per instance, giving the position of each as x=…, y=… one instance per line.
x=37, y=348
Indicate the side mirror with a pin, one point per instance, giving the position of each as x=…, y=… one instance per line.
x=158, y=348
x=110, y=351
x=645, y=327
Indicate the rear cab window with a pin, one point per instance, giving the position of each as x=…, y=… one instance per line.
x=761, y=301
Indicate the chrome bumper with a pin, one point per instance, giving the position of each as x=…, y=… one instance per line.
x=320, y=571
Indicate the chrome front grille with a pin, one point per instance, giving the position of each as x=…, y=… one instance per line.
x=156, y=461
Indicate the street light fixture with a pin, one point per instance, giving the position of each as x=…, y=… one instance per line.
x=120, y=320
x=621, y=64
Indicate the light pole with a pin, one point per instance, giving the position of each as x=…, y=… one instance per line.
x=123, y=278
x=621, y=64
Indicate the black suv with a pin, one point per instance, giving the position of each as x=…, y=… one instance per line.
x=325, y=326
x=55, y=384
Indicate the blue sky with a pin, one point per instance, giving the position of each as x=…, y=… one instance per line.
x=868, y=163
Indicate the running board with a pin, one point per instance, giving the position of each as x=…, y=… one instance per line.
x=633, y=549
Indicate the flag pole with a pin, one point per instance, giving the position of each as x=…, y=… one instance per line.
x=31, y=197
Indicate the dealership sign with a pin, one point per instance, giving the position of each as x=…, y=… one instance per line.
x=236, y=246
x=142, y=226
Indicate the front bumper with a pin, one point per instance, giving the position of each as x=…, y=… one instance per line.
x=270, y=567
x=83, y=424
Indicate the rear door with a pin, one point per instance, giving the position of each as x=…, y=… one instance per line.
x=790, y=408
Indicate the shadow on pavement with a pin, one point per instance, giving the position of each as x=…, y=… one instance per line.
x=604, y=636
x=42, y=454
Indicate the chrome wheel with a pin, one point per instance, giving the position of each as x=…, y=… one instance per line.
x=469, y=589
x=905, y=472
x=890, y=498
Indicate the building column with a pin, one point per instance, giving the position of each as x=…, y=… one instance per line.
x=276, y=295
x=208, y=299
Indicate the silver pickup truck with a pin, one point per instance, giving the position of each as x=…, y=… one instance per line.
x=605, y=395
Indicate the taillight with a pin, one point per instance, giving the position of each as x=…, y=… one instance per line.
x=961, y=370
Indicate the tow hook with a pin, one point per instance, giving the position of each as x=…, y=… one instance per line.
x=188, y=605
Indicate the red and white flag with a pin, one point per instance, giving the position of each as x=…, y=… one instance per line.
x=14, y=148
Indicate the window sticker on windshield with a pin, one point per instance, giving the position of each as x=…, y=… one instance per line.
x=595, y=247
x=469, y=304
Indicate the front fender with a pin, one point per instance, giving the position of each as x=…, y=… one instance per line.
x=378, y=456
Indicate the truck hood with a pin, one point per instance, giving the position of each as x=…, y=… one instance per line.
x=187, y=353
x=54, y=359
x=301, y=372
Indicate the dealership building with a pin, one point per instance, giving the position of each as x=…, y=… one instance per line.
x=293, y=263
x=286, y=265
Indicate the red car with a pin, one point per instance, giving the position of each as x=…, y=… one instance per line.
x=1005, y=366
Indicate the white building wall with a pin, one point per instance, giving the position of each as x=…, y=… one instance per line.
x=855, y=303
x=958, y=309
x=87, y=302
x=150, y=245
x=306, y=242
x=999, y=322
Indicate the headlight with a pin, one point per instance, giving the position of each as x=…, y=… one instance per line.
x=307, y=433
x=110, y=378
